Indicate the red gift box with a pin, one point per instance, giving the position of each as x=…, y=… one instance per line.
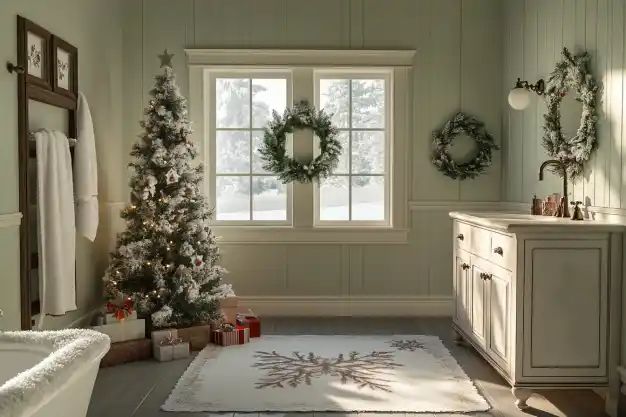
x=251, y=321
x=254, y=324
x=239, y=336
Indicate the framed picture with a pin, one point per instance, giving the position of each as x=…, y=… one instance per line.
x=64, y=68
x=34, y=56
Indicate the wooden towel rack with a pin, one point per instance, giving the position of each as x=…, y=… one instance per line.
x=47, y=72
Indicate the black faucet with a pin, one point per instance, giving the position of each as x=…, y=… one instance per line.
x=563, y=210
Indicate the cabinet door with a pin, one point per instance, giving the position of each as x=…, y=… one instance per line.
x=566, y=308
x=462, y=290
x=499, y=291
x=478, y=316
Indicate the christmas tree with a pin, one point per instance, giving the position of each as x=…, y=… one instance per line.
x=166, y=259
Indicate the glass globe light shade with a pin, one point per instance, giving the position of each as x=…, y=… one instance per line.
x=519, y=98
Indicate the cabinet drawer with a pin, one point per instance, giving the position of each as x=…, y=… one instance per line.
x=502, y=250
x=462, y=235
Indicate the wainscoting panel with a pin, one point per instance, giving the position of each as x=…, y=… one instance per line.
x=313, y=270
x=256, y=269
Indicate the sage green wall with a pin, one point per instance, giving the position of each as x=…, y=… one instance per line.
x=95, y=27
x=537, y=30
x=458, y=65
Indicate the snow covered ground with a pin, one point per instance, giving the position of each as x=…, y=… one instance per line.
x=363, y=211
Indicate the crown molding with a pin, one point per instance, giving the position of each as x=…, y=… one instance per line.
x=300, y=57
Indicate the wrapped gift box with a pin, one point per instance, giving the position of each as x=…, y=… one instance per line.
x=250, y=321
x=129, y=351
x=170, y=352
x=124, y=330
x=229, y=306
x=198, y=337
x=239, y=336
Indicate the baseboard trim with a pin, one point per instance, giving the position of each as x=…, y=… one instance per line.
x=358, y=306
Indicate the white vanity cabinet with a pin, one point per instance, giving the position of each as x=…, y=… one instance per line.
x=540, y=299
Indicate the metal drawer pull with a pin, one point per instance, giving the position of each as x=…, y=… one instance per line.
x=465, y=266
x=485, y=275
x=498, y=250
x=460, y=236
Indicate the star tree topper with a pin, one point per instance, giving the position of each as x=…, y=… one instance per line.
x=166, y=59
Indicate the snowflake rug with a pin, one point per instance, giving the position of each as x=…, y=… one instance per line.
x=401, y=373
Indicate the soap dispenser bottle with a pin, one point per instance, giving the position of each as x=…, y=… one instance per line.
x=578, y=213
x=536, y=207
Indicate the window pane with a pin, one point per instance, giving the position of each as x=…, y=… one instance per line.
x=344, y=159
x=368, y=104
x=232, y=98
x=269, y=199
x=233, y=198
x=334, y=199
x=267, y=95
x=368, y=198
x=368, y=152
x=232, y=151
x=335, y=100
x=257, y=162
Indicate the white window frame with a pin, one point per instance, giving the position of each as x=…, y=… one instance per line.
x=210, y=131
x=304, y=63
x=385, y=74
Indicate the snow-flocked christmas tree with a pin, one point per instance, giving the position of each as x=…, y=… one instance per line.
x=166, y=259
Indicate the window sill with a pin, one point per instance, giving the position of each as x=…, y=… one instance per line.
x=233, y=235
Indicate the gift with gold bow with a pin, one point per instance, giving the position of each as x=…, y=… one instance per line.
x=168, y=346
x=229, y=334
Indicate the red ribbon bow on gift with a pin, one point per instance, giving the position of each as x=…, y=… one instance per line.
x=120, y=312
x=171, y=341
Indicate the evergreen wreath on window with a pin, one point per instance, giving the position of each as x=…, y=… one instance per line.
x=442, y=140
x=571, y=74
x=274, y=149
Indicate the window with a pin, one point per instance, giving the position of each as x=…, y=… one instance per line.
x=232, y=94
x=242, y=190
x=358, y=192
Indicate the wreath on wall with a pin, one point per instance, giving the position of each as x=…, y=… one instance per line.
x=442, y=140
x=274, y=148
x=572, y=73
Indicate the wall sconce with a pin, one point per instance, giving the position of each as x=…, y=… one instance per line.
x=519, y=97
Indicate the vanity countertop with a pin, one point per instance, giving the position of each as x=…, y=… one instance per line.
x=514, y=222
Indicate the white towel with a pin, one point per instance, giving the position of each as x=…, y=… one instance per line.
x=86, y=173
x=57, y=230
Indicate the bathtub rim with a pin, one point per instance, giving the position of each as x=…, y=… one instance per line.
x=69, y=352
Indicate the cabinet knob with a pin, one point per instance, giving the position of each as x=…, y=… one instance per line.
x=498, y=250
x=460, y=236
x=465, y=266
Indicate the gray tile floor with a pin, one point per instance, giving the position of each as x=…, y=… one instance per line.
x=139, y=389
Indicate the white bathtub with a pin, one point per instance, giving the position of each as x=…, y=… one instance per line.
x=49, y=374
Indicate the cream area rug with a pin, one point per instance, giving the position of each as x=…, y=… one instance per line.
x=400, y=373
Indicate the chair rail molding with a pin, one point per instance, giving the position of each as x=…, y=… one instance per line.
x=361, y=306
x=10, y=219
x=419, y=205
